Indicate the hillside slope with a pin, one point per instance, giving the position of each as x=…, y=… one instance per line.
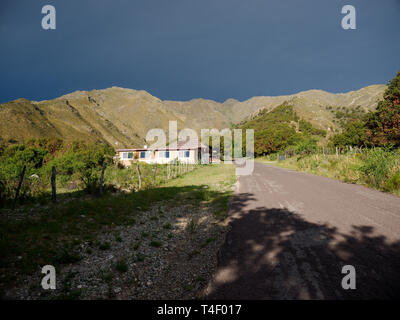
x=122, y=117
x=311, y=105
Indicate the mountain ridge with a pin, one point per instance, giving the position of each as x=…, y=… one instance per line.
x=122, y=116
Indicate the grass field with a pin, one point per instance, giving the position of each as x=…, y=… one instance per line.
x=34, y=236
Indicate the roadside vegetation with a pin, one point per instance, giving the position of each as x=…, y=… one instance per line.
x=117, y=232
x=376, y=168
x=78, y=167
x=366, y=151
x=147, y=220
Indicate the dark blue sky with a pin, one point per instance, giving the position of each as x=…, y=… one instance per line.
x=183, y=49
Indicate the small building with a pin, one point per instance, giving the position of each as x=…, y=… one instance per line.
x=190, y=151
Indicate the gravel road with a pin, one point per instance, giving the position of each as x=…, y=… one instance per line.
x=292, y=232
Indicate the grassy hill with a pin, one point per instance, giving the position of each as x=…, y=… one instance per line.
x=122, y=117
x=312, y=105
x=280, y=128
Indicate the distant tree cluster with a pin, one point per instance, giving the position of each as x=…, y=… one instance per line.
x=282, y=129
x=38, y=156
x=378, y=128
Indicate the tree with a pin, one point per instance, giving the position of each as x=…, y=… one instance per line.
x=383, y=125
x=354, y=134
x=275, y=130
x=307, y=145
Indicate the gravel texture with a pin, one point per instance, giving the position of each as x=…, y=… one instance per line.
x=170, y=253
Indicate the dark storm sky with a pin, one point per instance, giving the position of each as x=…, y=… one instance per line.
x=183, y=49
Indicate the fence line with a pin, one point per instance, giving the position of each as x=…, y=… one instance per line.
x=324, y=151
x=147, y=176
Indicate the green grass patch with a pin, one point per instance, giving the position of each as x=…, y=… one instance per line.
x=136, y=245
x=121, y=265
x=156, y=243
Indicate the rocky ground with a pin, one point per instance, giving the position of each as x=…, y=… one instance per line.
x=170, y=253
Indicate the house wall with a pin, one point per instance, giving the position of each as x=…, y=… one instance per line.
x=155, y=158
x=126, y=162
x=174, y=155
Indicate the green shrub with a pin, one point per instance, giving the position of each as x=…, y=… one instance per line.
x=78, y=166
x=376, y=167
x=121, y=265
x=156, y=243
x=167, y=226
x=393, y=183
x=105, y=246
x=273, y=156
x=306, y=146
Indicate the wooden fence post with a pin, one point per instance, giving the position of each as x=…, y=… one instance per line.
x=102, y=177
x=19, y=186
x=154, y=176
x=139, y=176
x=53, y=184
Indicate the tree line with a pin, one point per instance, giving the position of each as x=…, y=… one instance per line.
x=379, y=128
x=281, y=129
x=39, y=169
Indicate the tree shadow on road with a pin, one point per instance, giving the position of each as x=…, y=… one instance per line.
x=274, y=253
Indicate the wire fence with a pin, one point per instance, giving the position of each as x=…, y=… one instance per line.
x=111, y=177
x=324, y=151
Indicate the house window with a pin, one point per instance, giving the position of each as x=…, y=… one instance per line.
x=143, y=155
x=184, y=154
x=127, y=155
x=163, y=154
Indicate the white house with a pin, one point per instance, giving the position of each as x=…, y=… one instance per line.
x=190, y=151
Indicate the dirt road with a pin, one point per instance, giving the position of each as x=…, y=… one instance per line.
x=293, y=232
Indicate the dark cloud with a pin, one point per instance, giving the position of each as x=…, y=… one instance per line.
x=183, y=49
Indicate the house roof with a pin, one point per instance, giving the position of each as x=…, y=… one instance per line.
x=181, y=145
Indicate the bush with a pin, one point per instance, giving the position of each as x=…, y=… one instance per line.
x=306, y=146
x=376, y=166
x=121, y=265
x=393, y=183
x=273, y=156
x=78, y=166
x=74, y=161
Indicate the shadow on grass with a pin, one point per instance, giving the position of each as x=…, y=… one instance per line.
x=51, y=234
x=274, y=253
